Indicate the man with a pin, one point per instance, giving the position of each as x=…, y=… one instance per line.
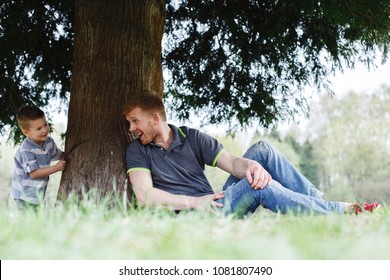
x=166, y=168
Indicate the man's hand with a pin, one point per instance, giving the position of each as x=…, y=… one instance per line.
x=204, y=202
x=257, y=176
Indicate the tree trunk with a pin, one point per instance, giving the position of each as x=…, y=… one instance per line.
x=117, y=53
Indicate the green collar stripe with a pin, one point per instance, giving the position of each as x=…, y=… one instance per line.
x=181, y=132
x=138, y=169
x=217, y=157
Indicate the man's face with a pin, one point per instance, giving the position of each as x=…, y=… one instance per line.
x=37, y=131
x=142, y=125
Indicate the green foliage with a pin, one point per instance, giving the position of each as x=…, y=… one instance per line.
x=239, y=61
x=309, y=165
x=36, y=46
x=228, y=61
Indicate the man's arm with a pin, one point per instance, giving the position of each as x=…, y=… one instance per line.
x=147, y=195
x=240, y=167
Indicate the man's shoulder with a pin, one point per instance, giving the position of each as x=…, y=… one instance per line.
x=188, y=131
x=195, y=134
x=136, y=145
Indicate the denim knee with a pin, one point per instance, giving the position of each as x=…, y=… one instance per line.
x=259, y=148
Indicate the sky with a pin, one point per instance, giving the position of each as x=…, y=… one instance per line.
x=361, y=79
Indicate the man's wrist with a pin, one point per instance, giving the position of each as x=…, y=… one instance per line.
x=193, y=202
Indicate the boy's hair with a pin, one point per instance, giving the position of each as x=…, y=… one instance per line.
x=28, y=113
x=147, y=100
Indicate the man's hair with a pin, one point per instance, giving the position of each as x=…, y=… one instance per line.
x=28, y=113
x=146, y=100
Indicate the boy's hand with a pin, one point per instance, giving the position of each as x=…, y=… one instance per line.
x=44, y=172
x=61, y=165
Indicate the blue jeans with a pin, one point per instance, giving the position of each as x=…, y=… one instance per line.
x=290, y=191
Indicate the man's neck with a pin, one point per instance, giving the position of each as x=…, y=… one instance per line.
x=165, y=137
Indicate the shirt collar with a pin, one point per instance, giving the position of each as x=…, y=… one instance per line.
x=33, y=143
x=178, y=138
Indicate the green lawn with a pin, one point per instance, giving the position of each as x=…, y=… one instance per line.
x=92, y=231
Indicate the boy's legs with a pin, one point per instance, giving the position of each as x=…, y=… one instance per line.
x=24, y=206
x=279, y=168
x=240, y=199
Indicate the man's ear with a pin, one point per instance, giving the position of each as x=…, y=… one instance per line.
x=156, y=117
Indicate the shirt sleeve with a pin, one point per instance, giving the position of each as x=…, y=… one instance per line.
x=209, y=148
x=136, y=157
x=28, y=161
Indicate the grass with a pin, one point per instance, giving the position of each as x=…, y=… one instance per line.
x=91, y=230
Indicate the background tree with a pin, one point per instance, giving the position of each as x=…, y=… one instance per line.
x=351, y=144
x=244, y=60
x=238, y=61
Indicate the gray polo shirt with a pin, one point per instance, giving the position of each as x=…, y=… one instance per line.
x=180, y=169
x=29, y=157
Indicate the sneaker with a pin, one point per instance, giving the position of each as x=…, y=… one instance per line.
x=369, y=207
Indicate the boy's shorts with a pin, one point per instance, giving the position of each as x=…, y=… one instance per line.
x=24, y=206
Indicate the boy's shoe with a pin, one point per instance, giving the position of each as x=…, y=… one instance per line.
x=368, y=207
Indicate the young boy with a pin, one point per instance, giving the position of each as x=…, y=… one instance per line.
x=32, y=159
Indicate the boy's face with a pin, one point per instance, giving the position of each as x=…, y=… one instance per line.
x=38, y=130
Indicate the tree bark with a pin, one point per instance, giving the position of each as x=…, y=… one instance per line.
x=117, y=53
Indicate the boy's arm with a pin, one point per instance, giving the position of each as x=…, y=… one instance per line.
x=46, y=171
